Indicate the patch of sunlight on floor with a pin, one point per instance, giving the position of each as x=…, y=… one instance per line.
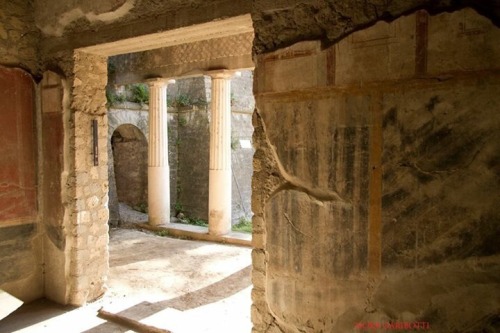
x=229, y=315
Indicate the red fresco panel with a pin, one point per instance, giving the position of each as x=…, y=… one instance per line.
x=17, y=146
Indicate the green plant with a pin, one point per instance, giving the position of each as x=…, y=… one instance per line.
x=111, y=68
x=244, y=225
x=113, y=98
x=110, y=98
x=200, y=102
x=181, y=101
x=182, y=121
x=162, y=233
x=197, y=221
x=233, y=99
x=140, y=93
x=141, y=207
x=178, y=207
x=235, y=143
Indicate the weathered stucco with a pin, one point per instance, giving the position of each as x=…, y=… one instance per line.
x=281, y=23
x=148, y=19
x=54, y=18
x=18, y=35
x=382, y=179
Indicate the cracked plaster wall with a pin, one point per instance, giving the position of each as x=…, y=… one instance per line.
x=376, y=173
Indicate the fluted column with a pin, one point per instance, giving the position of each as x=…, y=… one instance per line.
x=158, y=169
x=219, y=195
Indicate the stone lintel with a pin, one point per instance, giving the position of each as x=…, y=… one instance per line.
x=186, y=60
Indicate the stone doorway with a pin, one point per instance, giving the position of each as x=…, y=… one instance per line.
x=92, y=71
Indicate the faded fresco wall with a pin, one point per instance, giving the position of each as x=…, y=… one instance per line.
x=376, y=179
x=20, y=244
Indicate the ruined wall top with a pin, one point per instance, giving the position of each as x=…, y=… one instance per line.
x=87, y=23
x=281, y=23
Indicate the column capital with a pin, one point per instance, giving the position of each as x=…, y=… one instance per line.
x=221, y=73
x=159, y=81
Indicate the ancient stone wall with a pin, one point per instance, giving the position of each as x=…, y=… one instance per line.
x=86, y=195
x=376, y=179
x=242, y=164
x=242, y=106
x=193, y=162
x=193, y=154
x=130, y=159
x=18, y=35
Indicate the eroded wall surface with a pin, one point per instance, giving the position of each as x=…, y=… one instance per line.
x=54, y=18
x=69, y=24
x=282, y=23
x=18, y=35
x=376, y=177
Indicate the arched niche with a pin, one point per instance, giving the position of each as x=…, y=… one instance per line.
x=130, y=152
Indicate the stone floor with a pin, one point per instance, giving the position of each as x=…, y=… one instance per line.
x=172, y=284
